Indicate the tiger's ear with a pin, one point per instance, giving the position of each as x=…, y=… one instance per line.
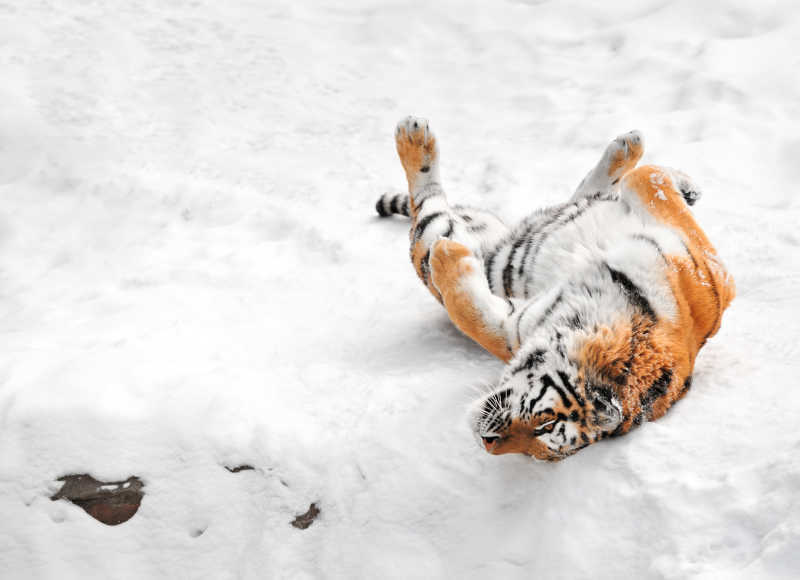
x=607, y=407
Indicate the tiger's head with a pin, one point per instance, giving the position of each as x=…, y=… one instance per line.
x=545, y=406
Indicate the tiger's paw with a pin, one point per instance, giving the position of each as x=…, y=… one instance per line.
x=450, y=263
x=622, y=155
x=416, y=146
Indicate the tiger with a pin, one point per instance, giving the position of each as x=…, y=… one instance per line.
x=598, y=305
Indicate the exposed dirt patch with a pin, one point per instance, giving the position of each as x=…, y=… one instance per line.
x=111, y=503
x=304, y=520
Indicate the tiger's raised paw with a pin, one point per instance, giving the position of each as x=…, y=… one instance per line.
x=622, y=155
x=416, y=146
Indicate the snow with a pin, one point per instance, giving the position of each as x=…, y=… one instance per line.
x=193, y=277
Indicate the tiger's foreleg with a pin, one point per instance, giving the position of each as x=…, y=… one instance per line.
x=620, y=156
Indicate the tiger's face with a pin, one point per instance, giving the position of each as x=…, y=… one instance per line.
x=545, y=408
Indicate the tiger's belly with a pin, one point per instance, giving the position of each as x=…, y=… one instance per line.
x=568, y=250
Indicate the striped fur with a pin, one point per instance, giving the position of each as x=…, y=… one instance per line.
x=599, y=305
x=393, y=203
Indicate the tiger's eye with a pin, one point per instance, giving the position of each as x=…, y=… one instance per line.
x=544, y=428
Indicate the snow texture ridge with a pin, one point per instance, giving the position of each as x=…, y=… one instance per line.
x=193, y=276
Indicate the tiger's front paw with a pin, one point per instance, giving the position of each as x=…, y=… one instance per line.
x=416, y=146
x=450, y=263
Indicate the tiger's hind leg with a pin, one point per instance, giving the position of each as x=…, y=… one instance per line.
x=699, y=276
x=448, y=243
x=620, y=156
x=432, y=217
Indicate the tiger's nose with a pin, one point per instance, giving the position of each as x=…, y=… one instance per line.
x=489, y=441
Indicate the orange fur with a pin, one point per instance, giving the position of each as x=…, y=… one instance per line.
x=519, y=439
x=625, y=160
x=448, y=268
x=416, y=149
x=702, y=287
x=633, y=355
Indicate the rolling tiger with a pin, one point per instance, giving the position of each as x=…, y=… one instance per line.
x=598, y=305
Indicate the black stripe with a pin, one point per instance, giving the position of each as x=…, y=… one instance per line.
x=575, y=322
x=449, y=231
x=547, y=381
x=589, y=201
x=570, y=387
x=488, y=263
x=522, y=400
x=519, y=320
x=652, y=242
x=380, y=207
x=422, y=225
x=532, y=402
x=404, y=209
x=425, y=266
x=508, y=270
x=632, y=292
x=393, y=205
x=639, y=332
x=657, y=390
x=532, y=239
x=548, y=311
x=533, y=360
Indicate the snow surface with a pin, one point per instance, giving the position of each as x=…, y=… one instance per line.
x=192, y=276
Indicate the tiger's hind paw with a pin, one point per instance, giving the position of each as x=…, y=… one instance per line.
x=416, y=146
x=689, y=190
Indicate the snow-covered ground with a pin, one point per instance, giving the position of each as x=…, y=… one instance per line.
x=192, y=276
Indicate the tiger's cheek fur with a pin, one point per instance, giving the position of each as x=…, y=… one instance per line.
x=520, y=439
